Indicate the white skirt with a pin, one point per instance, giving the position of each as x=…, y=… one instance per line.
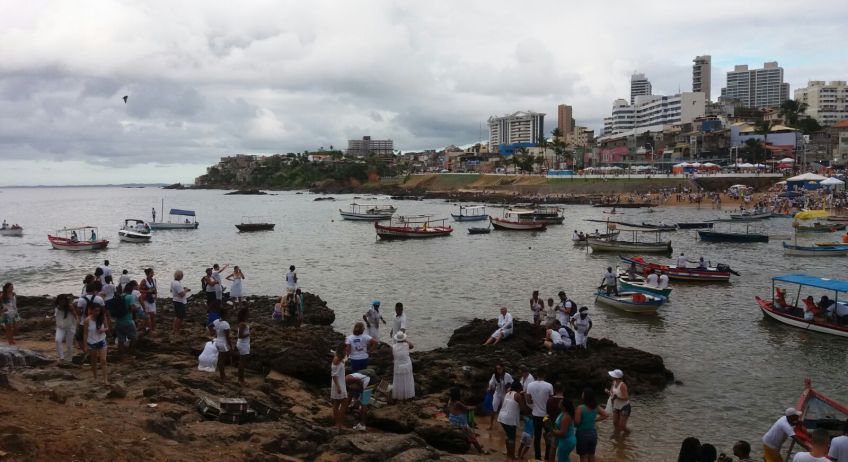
x=403, y=385
x=243, y=346
x=235, y=289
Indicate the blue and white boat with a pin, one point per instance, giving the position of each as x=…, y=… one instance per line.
x=815, y=251
x=632, y=302
x=471, y=213
x=790, y=312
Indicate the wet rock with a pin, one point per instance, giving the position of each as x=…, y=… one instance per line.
x=162, y=426
x=394, y=419
x=443, y=437
x=59, y=395
x=12, y=356
x=372, y=446
x=42, y=375
x=117, y=390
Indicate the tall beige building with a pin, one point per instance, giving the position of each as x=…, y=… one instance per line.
x=701, y=75
x=827, y=102
x=565, y=122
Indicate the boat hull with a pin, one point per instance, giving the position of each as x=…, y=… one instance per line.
x=833, y=227
x=752, y=216
x=165, y=226
x=405, y=232
x=135, y=238
x=818, y=251
x=60, y=243
x=469, y=217
x=251, y=227
x=684, y=274
x=625, y=302
x=17, y=232
x=768, y=310
x=642, y=287
x=714, y=236
x=550, y=219
x=479, y=230
x=365, y=216
x=605, y=245
x=695, y=225
x=521, y=225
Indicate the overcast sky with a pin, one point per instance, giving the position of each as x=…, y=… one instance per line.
x=207, y=79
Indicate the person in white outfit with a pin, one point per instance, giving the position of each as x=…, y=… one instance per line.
x=663, y=281
x=504, y=329
x=223, y=342
x=399, y=321
x=236, y=288
x=338, y=388
x=242, y=342
x=291, y=280
x=820, y=439
x=681, y=261
x=652, y=280
x=839, y=446
x=403, y=383
x=582, y=324
x=498, y=386
x=67, y=316
x=509, y=416
x=372, y=319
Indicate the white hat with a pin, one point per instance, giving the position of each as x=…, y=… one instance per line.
x=616, y=374
x=400, y=337
x=790, y=411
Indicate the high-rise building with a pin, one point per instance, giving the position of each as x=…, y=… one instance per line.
x=582, y=136
x=701, y=75
x=756, y=88
x=827, y=102
x=639, y=86
x=365, y=146
x=565, y=122
x=654, y=111
x=519, y=129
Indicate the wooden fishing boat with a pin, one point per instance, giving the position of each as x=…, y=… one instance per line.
x=633, y=245
x=517, y=220
x=14, y=230
x=695, y=225
x=135, y=231
x=751, y=215
x=632, y=301
x=719, y=273
x=177, y=219
x=626, y=205
x=548, y=214
x=817, y=411
x=471, y=213
x=715, y=236
x=413, y=227
x=485, y=230
x=73, y=239
x=661, y=226
x=368, y=212
x=836, y=219
x=584, y=239
x=793, y=314
x=251, y=224
x=815, y=251
x=818, y=227
x=639, y=284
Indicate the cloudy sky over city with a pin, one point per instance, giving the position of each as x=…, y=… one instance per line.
x=206, y=79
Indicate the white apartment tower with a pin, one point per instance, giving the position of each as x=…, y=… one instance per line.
x=757, y=88
x=654, y=111
x=525, y=127
x=639, y=86
x=701, y=75
x=827, y=102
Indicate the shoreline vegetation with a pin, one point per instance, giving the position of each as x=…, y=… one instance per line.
x=153, y=395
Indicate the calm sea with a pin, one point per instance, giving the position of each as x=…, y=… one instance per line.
x=739, y=371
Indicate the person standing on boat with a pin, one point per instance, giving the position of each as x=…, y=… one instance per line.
x=504, y=329
x=610, y=282
x=153, y=211
x=536, y=306
x=399, y=321
x=93, y=236
x=632, y=272
x=372, y=319
x=663, y=281
x=582, y=324
x=681, y=261
x=777, y=434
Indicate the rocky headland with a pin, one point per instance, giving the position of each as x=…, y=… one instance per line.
x=55, y=411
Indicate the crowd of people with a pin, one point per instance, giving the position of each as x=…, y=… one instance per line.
x=566, y=325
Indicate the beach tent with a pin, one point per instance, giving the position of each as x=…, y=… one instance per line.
x=804, y=181
x=787, y=160
x=709, y=166
x=833, y=183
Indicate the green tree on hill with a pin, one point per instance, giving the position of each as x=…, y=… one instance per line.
x=791, y=111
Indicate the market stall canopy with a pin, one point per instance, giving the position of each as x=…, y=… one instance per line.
x=807, y=177
x=832, y=181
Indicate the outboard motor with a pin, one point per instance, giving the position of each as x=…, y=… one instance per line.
x=726, y=268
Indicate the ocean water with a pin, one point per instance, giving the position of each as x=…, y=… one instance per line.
x=738, y=370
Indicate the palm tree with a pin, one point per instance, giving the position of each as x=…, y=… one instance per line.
x=755, y=149
x=791, y=111
x=762, y=127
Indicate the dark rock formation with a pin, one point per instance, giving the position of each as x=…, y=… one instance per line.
x=246, y=192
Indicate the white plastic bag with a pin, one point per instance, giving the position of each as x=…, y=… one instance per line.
x=208, y=360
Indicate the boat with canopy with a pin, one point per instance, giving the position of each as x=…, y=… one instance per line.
x=634, y=244
x=80, y=238
x=177, y=219
x=518, y=220
x=413, y=227
x=792, y=313
x=471, y=213
x=368, y=212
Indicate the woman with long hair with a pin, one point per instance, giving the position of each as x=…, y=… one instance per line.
x=10, y=317
x=236, y=288
x=564, y=431
x=242, y=342
x=94, y=335
x=338, y=388
x=509, y=416
x=585, y=417
x=498, y=386
x=67, y=317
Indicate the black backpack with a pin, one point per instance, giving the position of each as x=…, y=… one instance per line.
x=118, y=308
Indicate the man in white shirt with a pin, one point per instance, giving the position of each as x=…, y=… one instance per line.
x=777, y=434
x=504, y=329
x=610, y=282
x=652, y=280
x=681, y=261
x=818, y=452
x=105, y=268
x=216, y=274
x=538, y=392
x=399, y=322
x=839, y=446
x=663, y=281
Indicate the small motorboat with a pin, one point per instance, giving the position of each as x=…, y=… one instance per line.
x=695, y=225
x=632, y=301
x=639, y=284
x=471, y=213
x=73, y=239
x=632, y=245
x=135, y=231
x=781, y=311
x=583, y=239
x=719, y=273
x=14, y=230
x=716, y=236
x=548, y=214
x=518, y=220
x=177, y=219
x=251, y=224
x=756, y=214
x=815, y=251
x=413, y=227
x=485, y=230
x=818, y=227
x=368, y=212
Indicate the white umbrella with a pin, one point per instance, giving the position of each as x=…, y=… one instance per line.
x=745, y=165
x=832, y=181
x=787, y=160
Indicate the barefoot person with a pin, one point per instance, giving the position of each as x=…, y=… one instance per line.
x=242, y=342
x=180, y=296
x=536, y=307
x=509, y=416
x=148, y=297
x=564, y=432
x=620, y=397
x=10, y=317
x=338, y=389
x=458, y=417
x=221, y=328
x=504, y=328
x=498, y=385
x=94, y=337
x=237, y=287
x=372, y=319
x=585, y=417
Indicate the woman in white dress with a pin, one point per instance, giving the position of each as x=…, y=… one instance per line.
x=403, y=385
x=242, y=343
x=236, y=290
x=338, y=388
x=66, y=315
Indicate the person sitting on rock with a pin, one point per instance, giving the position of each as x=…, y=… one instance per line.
x=458, y=417
x=504, y=329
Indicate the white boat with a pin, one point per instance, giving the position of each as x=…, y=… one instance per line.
x=793, y=315
x=14, y=230
x=177, y=219
x=633, y=245
x=756, y=214
x=815, y=251
x=518, y=220
x=73, y=239
x=471, y=213
x=369, y=212
x=135, y=231
x=632, y=302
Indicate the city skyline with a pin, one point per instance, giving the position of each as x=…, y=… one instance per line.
x=205, y=81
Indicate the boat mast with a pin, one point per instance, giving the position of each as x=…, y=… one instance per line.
x=162, y=211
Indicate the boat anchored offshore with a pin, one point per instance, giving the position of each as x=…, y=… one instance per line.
x=471, y=213
x=413, y=227
x=518, y=220
x=135, y=231
x=632, y=302
x=639, y=284
x=72, y=239
x=368, y=212
x=14, y=230
x=177, y=219
x=730, y=236
x=548, y=214
x=633, y=245
x=815, y=251
x=793, y=314
x=250, y=224
x=719, y=273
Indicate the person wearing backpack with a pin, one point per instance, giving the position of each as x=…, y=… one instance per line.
x=88, y=300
